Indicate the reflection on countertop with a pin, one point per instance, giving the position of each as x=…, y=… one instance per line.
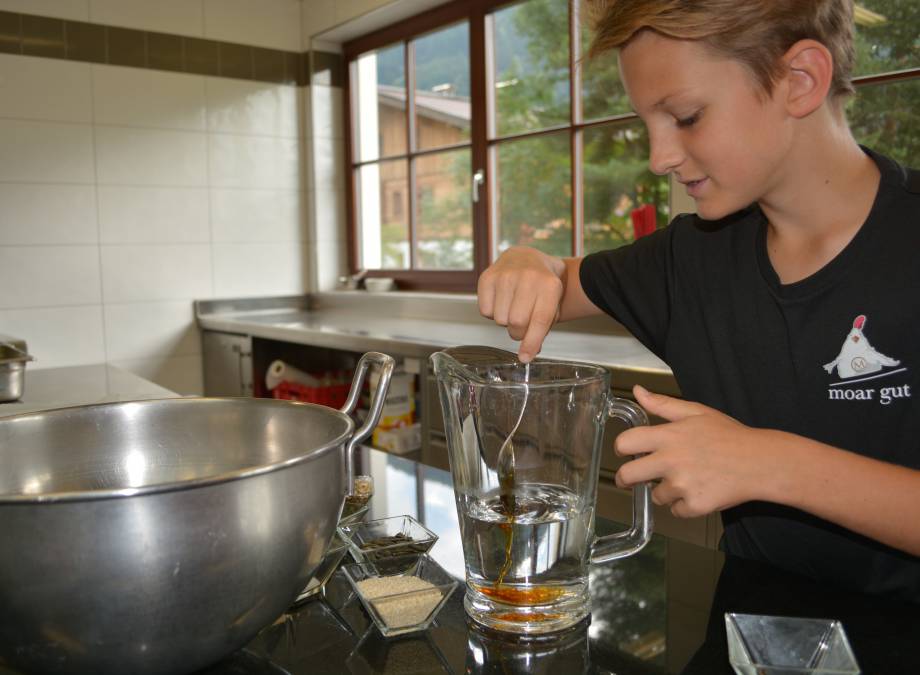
x=47, y=388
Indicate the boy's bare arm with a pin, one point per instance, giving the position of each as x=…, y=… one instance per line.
x=706, y=461
x=528, y=291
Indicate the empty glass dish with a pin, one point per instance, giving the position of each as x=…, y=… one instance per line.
x=780, y=645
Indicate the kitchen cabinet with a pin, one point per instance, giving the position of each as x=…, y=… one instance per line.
x=227, y=359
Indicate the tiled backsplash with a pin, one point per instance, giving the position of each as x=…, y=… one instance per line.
x=135, y=178
x=125, y=194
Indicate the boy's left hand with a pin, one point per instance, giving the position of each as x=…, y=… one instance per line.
x=705, y=460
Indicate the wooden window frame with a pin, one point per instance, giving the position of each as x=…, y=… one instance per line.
x=482, y=146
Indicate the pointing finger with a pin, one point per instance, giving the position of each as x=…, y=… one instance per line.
x=545, y=311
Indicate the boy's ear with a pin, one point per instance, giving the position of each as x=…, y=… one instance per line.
x=809, y=71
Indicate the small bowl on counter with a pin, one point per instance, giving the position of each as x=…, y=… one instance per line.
x=378, y=540
x=13, y=359
x=783, y=644
x=379, y=284
x=402, y=594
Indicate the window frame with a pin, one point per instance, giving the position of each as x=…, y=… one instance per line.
x=405, y=31
x=482, y=147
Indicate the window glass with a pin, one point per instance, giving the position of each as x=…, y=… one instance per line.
x=887, y=35
x=442, y=87
x=884, y=117
x=383, y=214
x=445, y=219
x=623, y=199
x=602, y=92
x=530, y=77
x=379, y=89
x=533, y=200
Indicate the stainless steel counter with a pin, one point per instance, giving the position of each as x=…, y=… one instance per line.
x=416, y=326
x=47, y=388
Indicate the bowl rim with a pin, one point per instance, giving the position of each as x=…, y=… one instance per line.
x=175, y=486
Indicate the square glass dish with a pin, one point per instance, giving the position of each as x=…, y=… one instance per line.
x=780, y=645
x=377, y=540
x=402, y=595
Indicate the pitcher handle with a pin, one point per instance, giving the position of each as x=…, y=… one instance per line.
x=378, y=397
x=626, y=543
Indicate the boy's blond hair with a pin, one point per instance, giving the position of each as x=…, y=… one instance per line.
x=755, y=33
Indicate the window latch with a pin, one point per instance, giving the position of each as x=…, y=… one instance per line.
x=478, y=179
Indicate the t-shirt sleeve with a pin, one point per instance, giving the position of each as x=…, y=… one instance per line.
x=633, y=285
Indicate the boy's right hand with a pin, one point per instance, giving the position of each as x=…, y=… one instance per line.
x=523, y=290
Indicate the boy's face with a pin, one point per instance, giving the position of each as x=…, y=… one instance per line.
x=708, y=123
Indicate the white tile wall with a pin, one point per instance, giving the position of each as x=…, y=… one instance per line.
x=155, y=272
x=183, y=17
x=330, y=261
x=265, y=23
x=47, y=214
x=46, y=152
x=326, y=110
x=257, y=108
x=58, y=336
x=134, y=192
x=150, y=330
x=254, y=161
x=329, y=211
x=45, y=89
x=328, y=163
x=326, y=152
x=153, y=215
x=48, y=276
x=78, y=10
x=247, y=270
x=148, y=98
x=239, y=216
x=130, y=156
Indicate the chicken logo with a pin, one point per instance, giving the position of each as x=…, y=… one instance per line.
x=857, y=357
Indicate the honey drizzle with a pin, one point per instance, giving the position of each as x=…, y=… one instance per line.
x=506, y=485
x=535, y=595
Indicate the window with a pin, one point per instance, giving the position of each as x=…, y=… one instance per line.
x=883, y=114
x=474, y=127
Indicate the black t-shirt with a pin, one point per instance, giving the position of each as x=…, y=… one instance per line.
x=834, y=357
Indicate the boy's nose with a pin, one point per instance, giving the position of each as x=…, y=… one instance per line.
x=664, y=155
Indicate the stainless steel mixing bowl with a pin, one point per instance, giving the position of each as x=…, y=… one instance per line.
x=159, y=536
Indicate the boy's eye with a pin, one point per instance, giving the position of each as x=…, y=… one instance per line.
x=688, y=121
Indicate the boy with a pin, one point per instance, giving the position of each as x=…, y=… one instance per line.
x=803, y=242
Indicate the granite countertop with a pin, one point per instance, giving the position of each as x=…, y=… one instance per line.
x=659, y=612
x=47, y=388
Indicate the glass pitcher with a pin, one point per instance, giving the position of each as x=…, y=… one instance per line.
x=524, y=442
